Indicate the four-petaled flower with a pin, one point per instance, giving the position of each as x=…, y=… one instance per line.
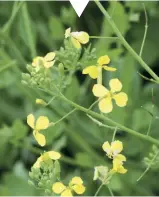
x=106, y=96
x=53, y=155
x=46, y=62
x=41, y=123
x=93, y=71
x=75, y=185
x=113, y=149
x=77, y=38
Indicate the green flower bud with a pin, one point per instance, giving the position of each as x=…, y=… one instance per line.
x=29, y=68
x=26, y=77
x=24, y=82
x=31, y=183
x=47, y=191
x=61, y=69
x=40, y=184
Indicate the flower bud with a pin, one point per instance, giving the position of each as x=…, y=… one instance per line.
x=40, y=102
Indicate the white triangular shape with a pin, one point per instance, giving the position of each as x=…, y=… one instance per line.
x=79, y=5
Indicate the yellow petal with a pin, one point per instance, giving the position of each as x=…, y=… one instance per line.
x=108, y=68
x=76, y=181
x=58, y=187
x=49, y=64
x=117, y=147
x=40, y=138
x=79, y=189
x=118, y=167
x=54, y=155
x=31, y=120
x=121, y=99
x=92, y=71
x=99, y=90
x=122, y=170
x=37, y=163
x=120, y=157
x=42, y=123
x=115, y=85
x=37, y=61
x=106, y=147
x=76, y=43
x=50, y=56
x=67, y=32
x=105, y=105
x=66, y=192
x=103, y=60
x=81, y=36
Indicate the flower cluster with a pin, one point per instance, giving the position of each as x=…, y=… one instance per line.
x=113, y=151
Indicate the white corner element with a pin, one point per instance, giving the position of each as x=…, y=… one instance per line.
x=79, y=5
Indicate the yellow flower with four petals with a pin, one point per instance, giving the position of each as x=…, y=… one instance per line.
x=42, y=123
x=77, y=38
x=106, y=96
x=93, y=71
x=47, y=61
x=75, y=185
x=53, y=155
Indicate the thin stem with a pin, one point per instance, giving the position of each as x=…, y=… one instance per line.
x=98, y=190
x=100, y=123
x=125, y=43
x=104, y=37
x=111, y=192
x=150, y=125
x=52, y=99
x=110, y=121
x=64, y=117
x=114, y=134
x=99, y=79
x=145, y=33
x=147, y=169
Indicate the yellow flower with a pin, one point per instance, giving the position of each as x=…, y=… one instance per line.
x=47, y=155
x=106, y=96
x=93, y=71
x=75, y=185
x=41, y=124
x=112, y=149
x=118, y=167
x=77, y=38
x=47, y=61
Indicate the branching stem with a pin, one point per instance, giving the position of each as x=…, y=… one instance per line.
x=125, y=43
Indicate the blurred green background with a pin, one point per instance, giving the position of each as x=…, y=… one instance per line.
x=28, y=29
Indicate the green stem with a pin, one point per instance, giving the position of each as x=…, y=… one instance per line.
x=124, y=42
x=111, y=193
x=147, y=169
x=145, y=33
x=69, y=113
x=98, y=190
x=110, y=121
x=104, y=37
x=113, y=138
